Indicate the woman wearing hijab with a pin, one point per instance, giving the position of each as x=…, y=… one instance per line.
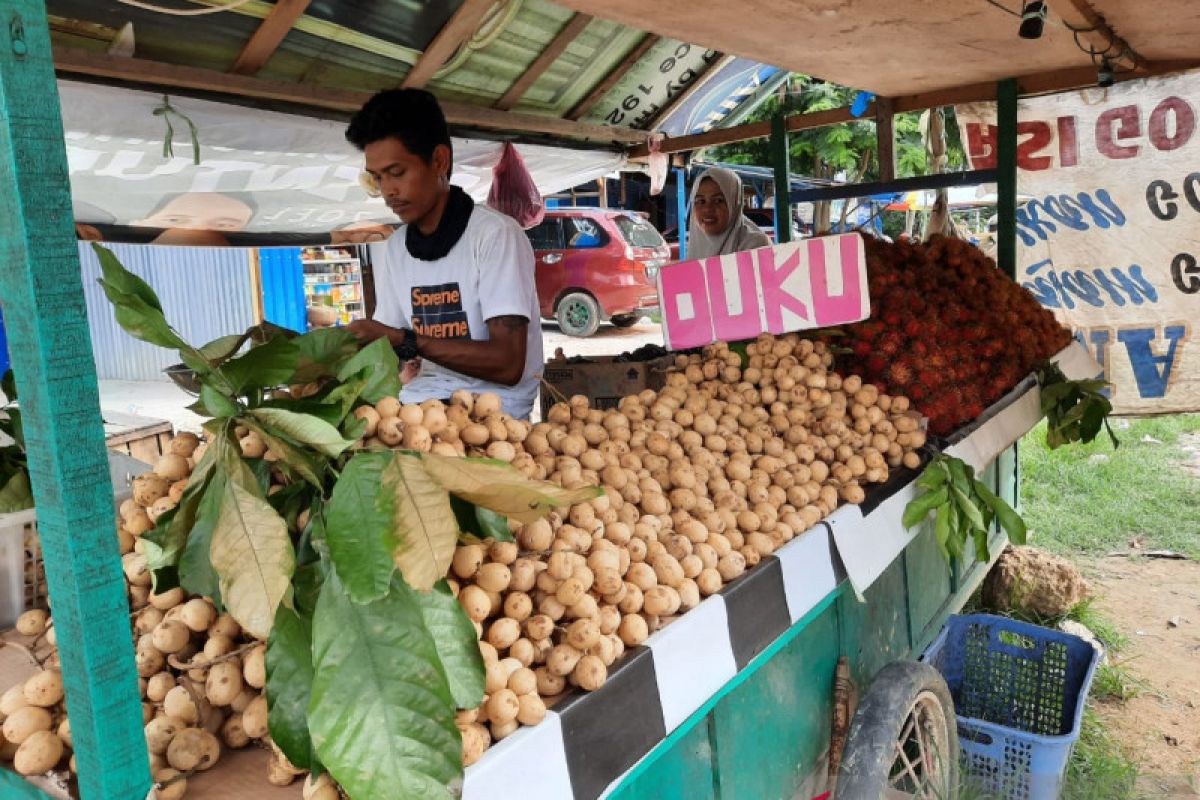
x=717, y=226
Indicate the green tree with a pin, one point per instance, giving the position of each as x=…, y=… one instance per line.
x=848, y=148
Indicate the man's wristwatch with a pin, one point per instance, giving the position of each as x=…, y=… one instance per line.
x=407, y=349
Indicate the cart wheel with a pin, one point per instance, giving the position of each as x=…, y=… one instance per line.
x=903, y=742
x=578, y=314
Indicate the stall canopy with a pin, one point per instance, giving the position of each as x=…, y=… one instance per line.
x=590, y=76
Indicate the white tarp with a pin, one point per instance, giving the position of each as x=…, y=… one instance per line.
x=261, y=172
x=1111, y=236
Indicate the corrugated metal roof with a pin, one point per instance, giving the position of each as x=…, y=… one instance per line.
x=205, y=293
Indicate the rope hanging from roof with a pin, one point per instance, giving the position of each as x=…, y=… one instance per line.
x=185, y=12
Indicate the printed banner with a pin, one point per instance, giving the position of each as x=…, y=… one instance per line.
x=814, y=283
x=1111, y=236
x=264, y=178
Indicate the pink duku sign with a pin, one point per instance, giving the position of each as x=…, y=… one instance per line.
x=813, y=283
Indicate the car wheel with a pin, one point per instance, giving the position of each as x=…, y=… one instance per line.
x=624, y=320
x=578, y=314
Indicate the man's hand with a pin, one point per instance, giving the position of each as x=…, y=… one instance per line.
x=368, y=330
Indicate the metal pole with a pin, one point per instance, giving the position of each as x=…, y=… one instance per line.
x=56, y=379
x=781, y=161
x=1006, y=179
x=682, y=209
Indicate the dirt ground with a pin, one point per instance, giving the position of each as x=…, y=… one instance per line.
x=1155, y=603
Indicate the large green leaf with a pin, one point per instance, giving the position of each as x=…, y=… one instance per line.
x=289, y=685
x=358, y=527
x=457, y=644
x=216, y=403
x=1009, y=519
x=196, y=573
x=165, y=545
x=322, y=352
x=477, y=523
x=308, y=467
x=933, y=476
x=920, y=506
x=253, y=557
x=8, y=385
x=502, y=488
x=376, y=362
x=263, y=367
x=16, y=495
x=122, y=280
x=303, y=428
x=967, y=507
x=381, y=715
x=425, y=530
x=222, y=348
x=941, y=530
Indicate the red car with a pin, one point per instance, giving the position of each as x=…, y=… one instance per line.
x=596, y=264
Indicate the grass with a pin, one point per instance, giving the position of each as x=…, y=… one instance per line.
x=1075, y=504
x=1100, y=768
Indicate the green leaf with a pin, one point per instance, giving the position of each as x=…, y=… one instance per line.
x=941, y=530
x=124, y=281
x=967, y=507
x=456, y=642
x=1009, y=519
x=263, y=367
x=499, y=486
x=253, y=557
x=920, y=506
x=196, y=573
x=15, y=427
x=933, y=476
x=480, y=523
x=222, y=349
x=358, y=527
x=306, y=587
x=215, y=403
x=165, y=545
x=322, y=351
x=289, y=685
x=381, y=715
x=981, y=546
x=16, y=495
x=8, y=385
x=141, y=320
x=309, y=468
x=303, y=428
x=959, y=475
x=424, y=527
x=376, y=362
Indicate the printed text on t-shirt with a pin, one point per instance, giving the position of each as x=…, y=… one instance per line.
x=437, y=311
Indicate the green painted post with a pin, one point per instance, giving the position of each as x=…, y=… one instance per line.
x=781, y=161
x=1006, y=181
x=56, y=377
x=1006, y=198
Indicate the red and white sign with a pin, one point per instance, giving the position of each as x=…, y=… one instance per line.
x=814, y=283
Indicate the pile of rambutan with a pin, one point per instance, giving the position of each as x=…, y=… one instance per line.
x=947, y=329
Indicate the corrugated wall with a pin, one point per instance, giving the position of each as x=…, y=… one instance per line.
x=206, y=292
x=282, y=275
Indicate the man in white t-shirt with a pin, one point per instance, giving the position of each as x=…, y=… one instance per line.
x=455, y=292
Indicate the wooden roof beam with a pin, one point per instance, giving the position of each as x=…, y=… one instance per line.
x=70, y=62
x=557, y=46
x=452, y=36
x=610, y=80
x=270, y=33
x=1095, y=32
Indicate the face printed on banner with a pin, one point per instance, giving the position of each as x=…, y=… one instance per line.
x=412, y=187
x=711, y=208
x=205, y=211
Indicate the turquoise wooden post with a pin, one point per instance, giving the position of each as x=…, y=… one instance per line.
x=781, y=163
x=56, y=378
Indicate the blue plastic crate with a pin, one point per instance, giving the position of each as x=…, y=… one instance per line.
x=1019, y=692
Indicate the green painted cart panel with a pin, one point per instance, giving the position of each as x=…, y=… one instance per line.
x=787, y=700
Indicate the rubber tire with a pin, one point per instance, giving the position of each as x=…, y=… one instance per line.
x=870, y=746
x=624, y=320
x=578, y=302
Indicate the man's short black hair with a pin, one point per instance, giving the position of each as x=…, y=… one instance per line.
x=411, y=115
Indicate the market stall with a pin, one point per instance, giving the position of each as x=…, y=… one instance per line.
x=734, y=696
